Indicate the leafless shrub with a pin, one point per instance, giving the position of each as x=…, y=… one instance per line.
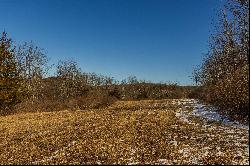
x=32, y=64
x=224, y=73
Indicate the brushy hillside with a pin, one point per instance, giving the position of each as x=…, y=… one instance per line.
x=128, y=132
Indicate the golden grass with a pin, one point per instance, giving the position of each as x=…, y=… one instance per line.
x=137, y=132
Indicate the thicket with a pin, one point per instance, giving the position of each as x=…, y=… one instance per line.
x=24, y=85
x=224, y=73
x=12, y=88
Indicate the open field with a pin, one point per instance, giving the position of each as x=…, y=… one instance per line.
x=128, y=132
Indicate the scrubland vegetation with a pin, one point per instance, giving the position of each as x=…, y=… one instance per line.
x=224, y=73
x=222, y=79
x=25, y=86
x=75, y=117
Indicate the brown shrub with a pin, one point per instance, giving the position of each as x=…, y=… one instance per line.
x=95, y=99
x=224, y=74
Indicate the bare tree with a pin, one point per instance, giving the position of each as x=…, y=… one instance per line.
x=72, y=82
x=224, y=73
x=33, y=66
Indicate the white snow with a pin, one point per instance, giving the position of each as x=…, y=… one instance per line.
x=211, y=113
x=182, y=116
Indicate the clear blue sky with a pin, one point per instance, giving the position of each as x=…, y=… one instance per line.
x=157, y=40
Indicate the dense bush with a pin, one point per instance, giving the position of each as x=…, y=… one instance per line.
x=224, y=74
x=11, y=84
x=146, y=90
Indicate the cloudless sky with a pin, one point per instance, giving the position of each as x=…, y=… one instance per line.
x=156, y=40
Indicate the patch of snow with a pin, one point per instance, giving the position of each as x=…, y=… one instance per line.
x=99, y=163
x=206, y=153
x=134, y=163
x=194, y=160
x=182, y=116
x=163, y=161
x=211, y=113
x=220, y=153
x=185, y=152
x=175, y=143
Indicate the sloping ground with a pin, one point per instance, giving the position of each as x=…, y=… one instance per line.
x=128, y=132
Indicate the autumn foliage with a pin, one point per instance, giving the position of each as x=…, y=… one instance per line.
x=11, y=91
x=224, y=73
x=25, y=85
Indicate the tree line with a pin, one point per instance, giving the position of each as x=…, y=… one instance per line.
x=24, y=84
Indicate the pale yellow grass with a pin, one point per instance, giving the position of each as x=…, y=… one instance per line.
x=137, y=132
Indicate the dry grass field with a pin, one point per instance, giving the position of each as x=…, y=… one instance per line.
x=128, y=132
